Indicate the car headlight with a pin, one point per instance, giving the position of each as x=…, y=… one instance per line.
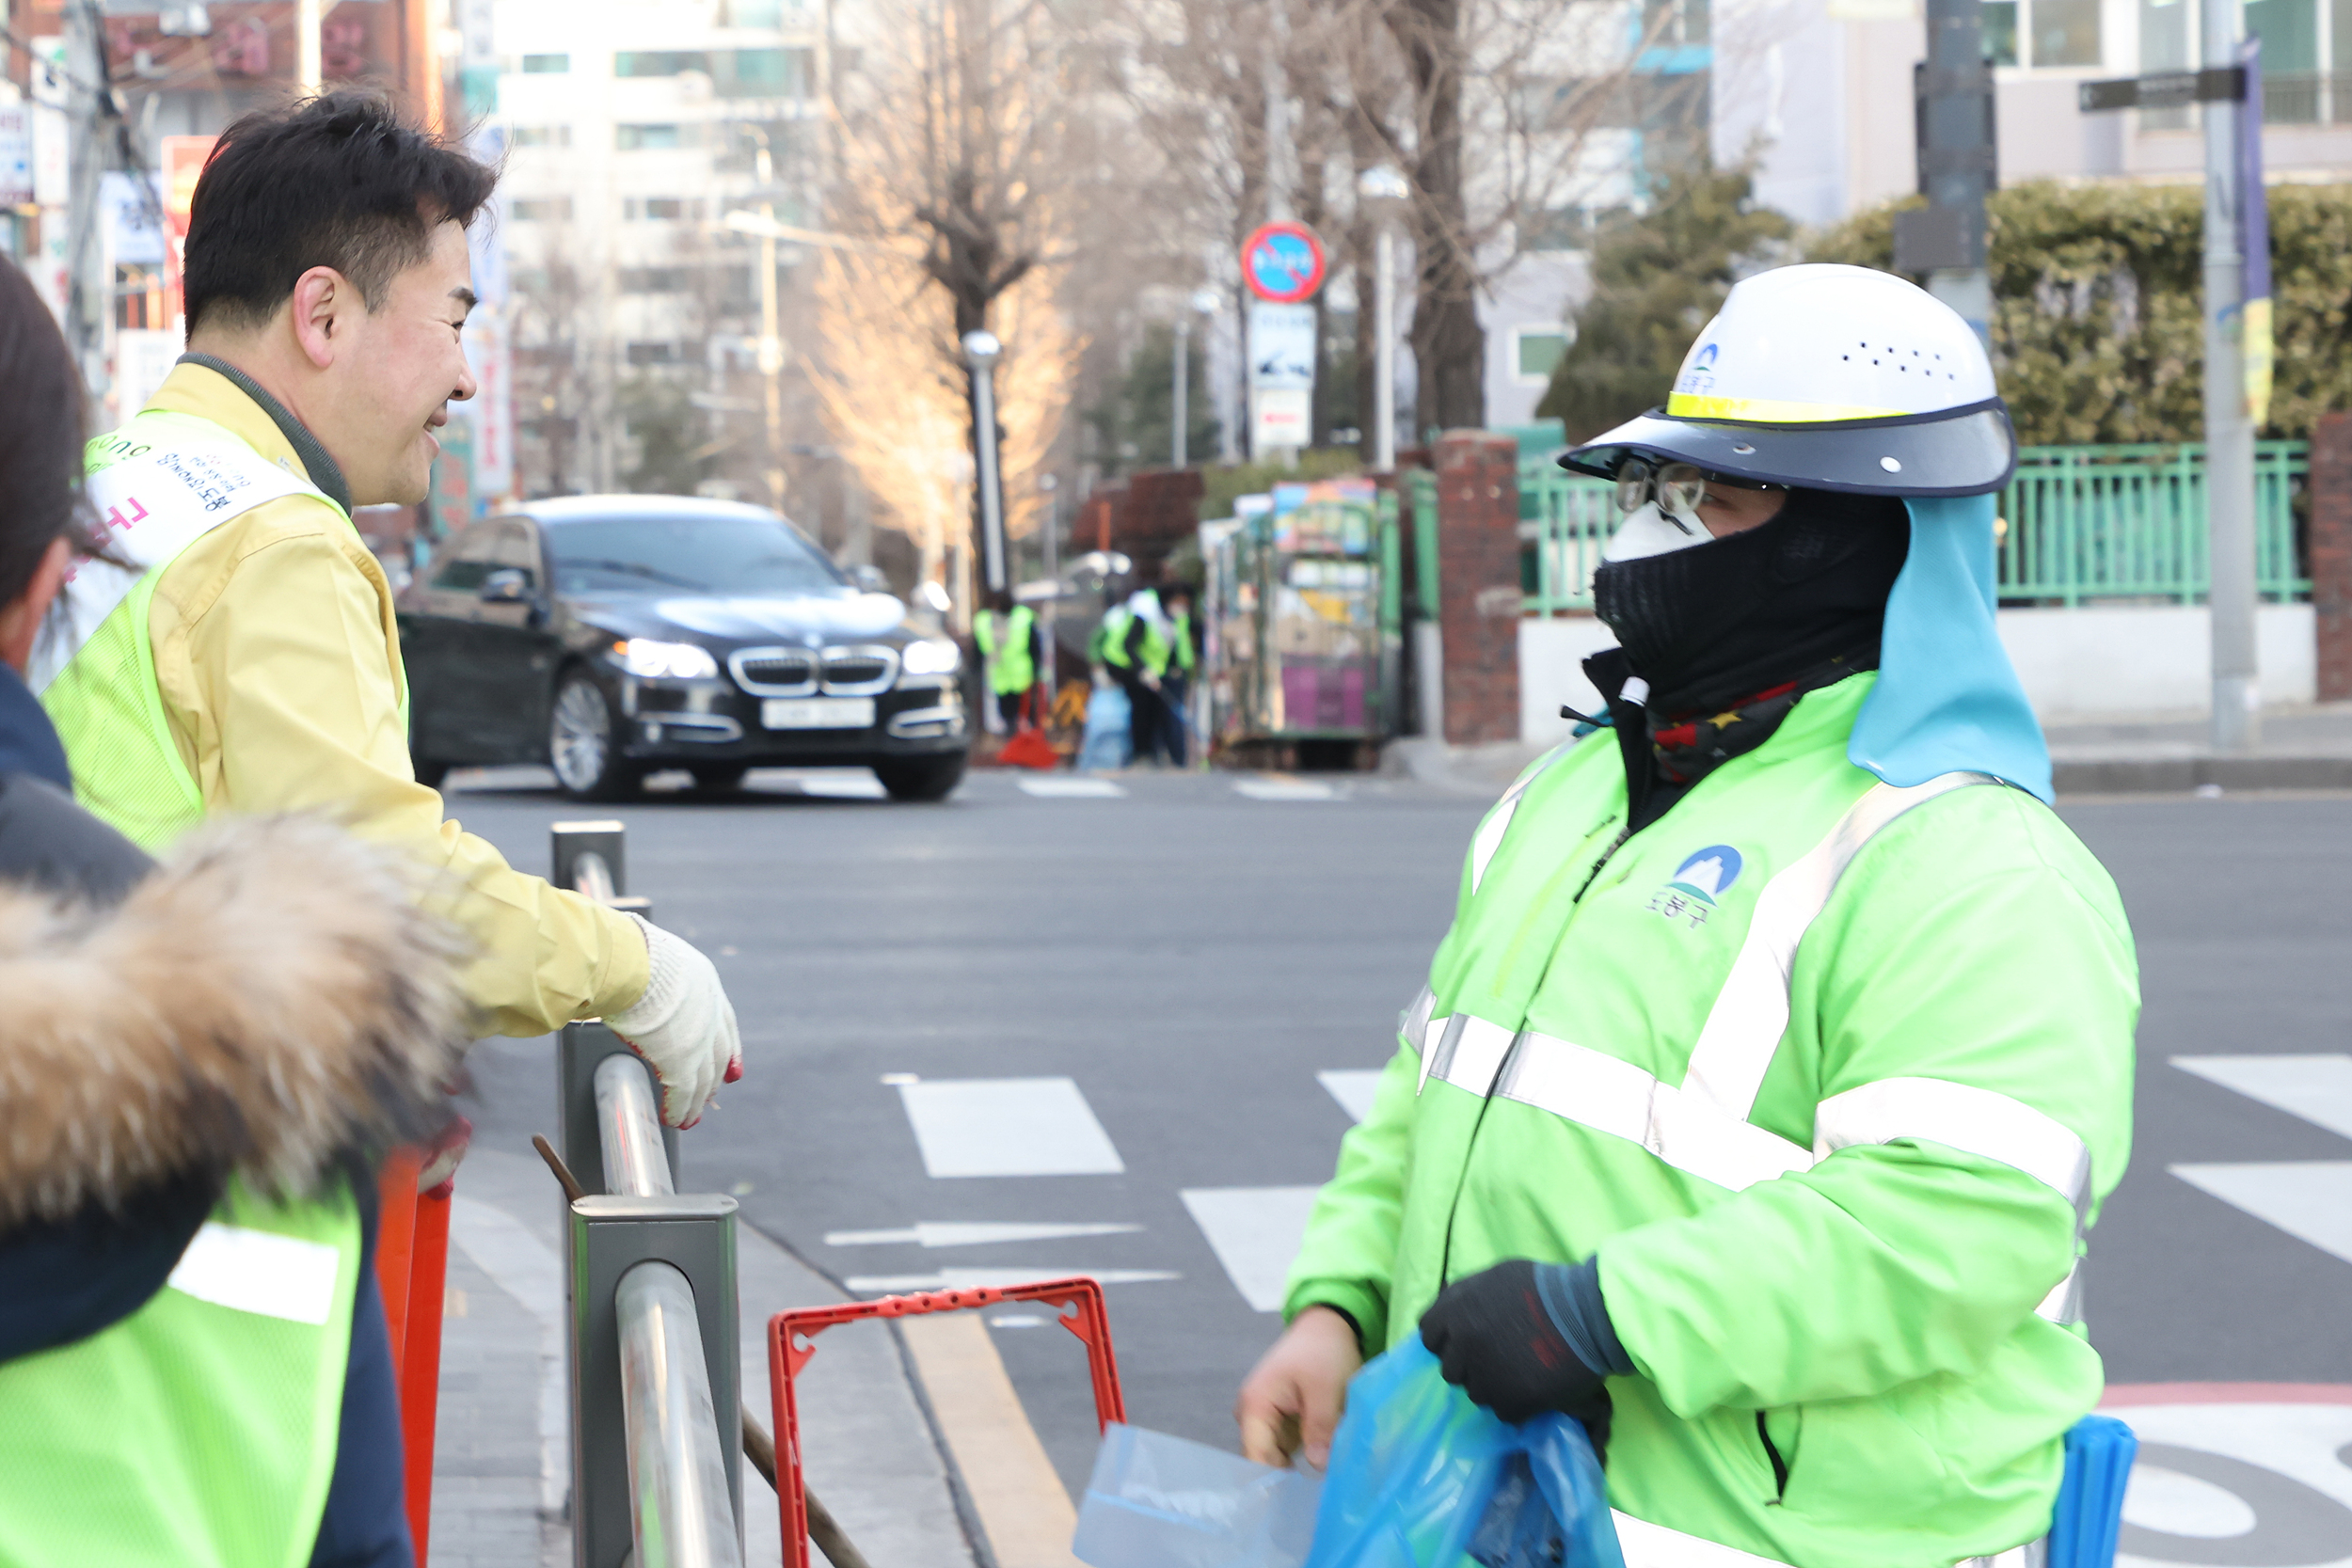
x=932, y=656
x=647, y=659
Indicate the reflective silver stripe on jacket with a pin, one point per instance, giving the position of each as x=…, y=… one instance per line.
x=1489, y=835
x=1751, y=1012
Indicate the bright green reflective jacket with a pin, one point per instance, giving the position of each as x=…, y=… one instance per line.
x=1833, y=1077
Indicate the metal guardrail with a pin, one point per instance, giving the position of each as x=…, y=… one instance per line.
x=2083, y=524
x=651, y=1286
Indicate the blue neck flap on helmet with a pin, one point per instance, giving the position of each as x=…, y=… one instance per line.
x=1947, y=699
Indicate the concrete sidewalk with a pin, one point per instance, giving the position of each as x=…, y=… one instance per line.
x=502, y=1459
x=2304, y=748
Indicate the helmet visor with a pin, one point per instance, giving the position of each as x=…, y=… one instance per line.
x=1963, y=451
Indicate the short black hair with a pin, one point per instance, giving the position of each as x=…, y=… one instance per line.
x=338, y=181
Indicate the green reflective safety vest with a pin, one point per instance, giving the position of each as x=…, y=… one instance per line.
x=1008, y=644
x=1112, y=634
x=1832, y=1076
x=202, y=1429
x=1180, y=639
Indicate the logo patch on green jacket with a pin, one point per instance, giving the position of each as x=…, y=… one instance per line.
x=1702, y=878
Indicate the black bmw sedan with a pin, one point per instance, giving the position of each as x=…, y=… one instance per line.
x=614, y=636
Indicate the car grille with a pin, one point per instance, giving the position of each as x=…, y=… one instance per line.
x=774, y=671
x=854, y=672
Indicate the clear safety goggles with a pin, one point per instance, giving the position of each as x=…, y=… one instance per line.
x=1679, y=488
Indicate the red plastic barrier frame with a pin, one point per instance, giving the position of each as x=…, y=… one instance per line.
x=793, y=1340
x=411, y=1271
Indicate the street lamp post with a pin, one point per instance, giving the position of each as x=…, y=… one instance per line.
x=1180, y=415
x=980, y=352
x=770, y=342
x=1383, y=191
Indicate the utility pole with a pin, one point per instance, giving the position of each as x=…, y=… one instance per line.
x=980, y=352
x=1384, y=192
x=1958, y=165
x=310, y=71
x=770, y=342
x=2229, y=425
x=2227, y=91
x=1179, y=418
x=89, y=270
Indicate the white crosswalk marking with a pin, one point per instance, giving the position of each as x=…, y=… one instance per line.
x=1255, y=1232
x=2309, y=1199
x=2318, y=1088
x=1352, y=1087
x=1007, y=1126
x=1057, y=786
x=1286, y=789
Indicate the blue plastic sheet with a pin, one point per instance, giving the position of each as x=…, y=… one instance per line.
x=1156, y=1501
x=1108, y=743
x=2090, y=1516
x=1422, y=1477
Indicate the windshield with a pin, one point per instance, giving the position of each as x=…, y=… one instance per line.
x=740, y=557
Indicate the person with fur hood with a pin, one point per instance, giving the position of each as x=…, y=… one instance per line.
x=190, y=1047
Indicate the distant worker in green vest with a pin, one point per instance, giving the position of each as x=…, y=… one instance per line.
x=246, y=659
x=1006, y=634
x=1135, y=648
x=1758, y=1106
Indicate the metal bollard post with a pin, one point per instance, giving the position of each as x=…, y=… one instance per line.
x=627, y=1239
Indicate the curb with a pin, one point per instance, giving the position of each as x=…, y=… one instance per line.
x=2181, y=775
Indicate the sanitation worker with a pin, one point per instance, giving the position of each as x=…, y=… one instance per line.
x=1760, y=1098
x=246, y=659
x=1006, y=634
x=190, y=1372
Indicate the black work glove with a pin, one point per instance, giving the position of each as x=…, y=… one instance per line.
x=1524, y=1338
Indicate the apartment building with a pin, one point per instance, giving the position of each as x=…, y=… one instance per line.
x=633, y=128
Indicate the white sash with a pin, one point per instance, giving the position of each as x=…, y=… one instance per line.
x=151, y=508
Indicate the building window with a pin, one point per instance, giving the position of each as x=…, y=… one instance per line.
x=765, y=72
x=1534, y=350
x=660, y=353
x=554, y=209
x=768, y=14
x=547, y=65
x=659, y=62
x=2041, y=32
x=653, y=280
x=649, y=138
x=660, y=209
x=542, y=135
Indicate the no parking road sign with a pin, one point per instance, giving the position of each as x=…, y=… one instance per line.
x=1282, y=262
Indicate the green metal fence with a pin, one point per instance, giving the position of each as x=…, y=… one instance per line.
x=2081, y=524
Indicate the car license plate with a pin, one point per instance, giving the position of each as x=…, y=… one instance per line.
x=817, y=713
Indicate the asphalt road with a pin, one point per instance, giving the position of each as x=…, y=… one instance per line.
x=1014, y=1035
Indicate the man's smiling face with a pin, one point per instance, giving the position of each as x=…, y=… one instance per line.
x=404, y=364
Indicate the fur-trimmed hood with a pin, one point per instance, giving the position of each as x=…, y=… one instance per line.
x=267, y=999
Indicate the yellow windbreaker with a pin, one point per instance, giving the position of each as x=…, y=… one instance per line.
x=279, y=658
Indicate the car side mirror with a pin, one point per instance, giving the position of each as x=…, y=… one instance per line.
x=507, y=585
x=868, y=578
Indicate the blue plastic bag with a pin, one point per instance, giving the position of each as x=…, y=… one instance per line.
x=1108, y=744
x=2090, y=1516
x=1158, y=1501
x=1422, y=1477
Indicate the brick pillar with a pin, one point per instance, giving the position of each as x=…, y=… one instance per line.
x=1478, y=580
x=2331, y=553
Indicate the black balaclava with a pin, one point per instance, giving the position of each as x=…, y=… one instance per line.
x=1739, y=628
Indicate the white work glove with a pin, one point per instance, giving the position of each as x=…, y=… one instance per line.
x=683, y=1026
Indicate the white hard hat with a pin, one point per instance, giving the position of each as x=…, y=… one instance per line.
x=1833, y=378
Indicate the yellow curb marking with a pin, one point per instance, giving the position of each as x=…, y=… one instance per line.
x=1027, y=1515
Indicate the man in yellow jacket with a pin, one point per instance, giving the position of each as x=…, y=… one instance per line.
x=248, y=661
